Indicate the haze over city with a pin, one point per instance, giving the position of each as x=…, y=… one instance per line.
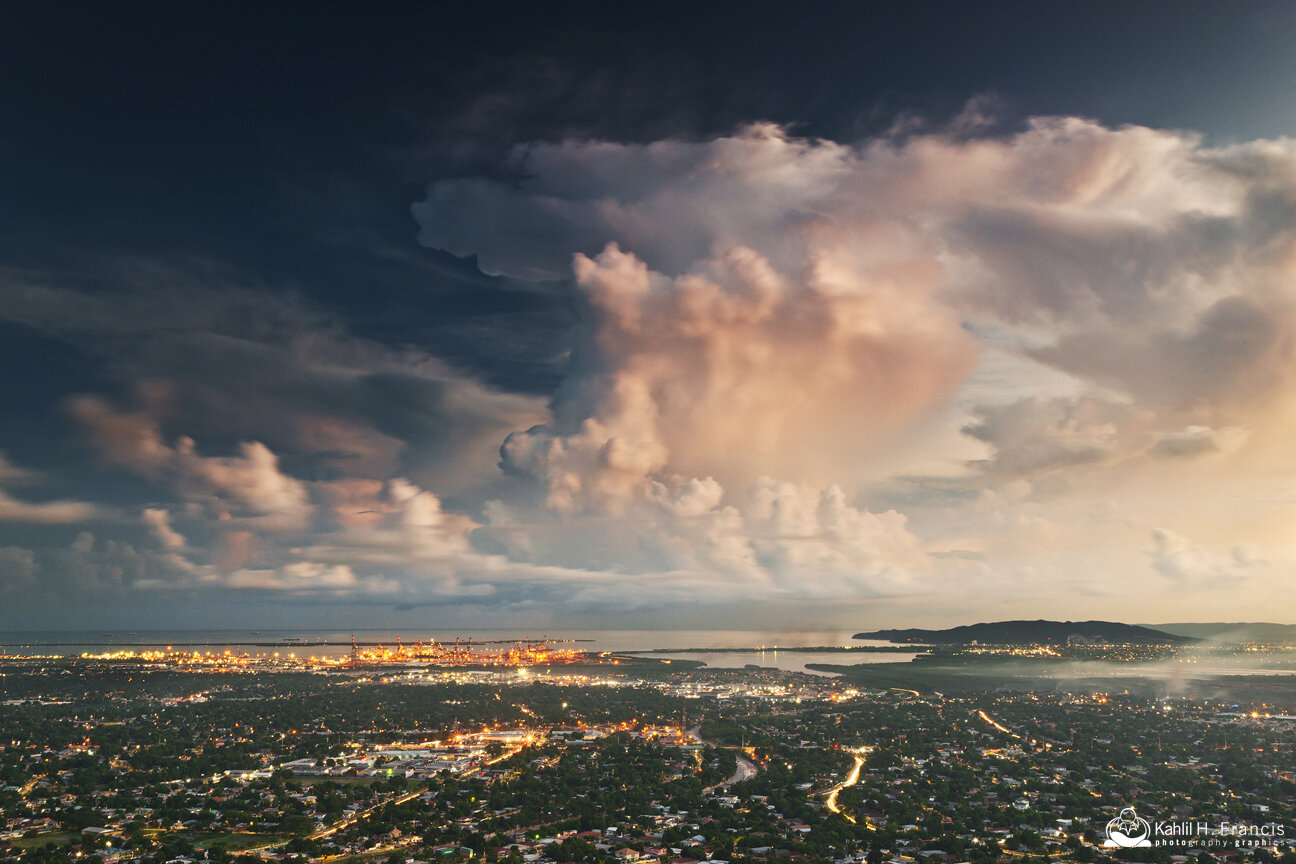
x=779, y=317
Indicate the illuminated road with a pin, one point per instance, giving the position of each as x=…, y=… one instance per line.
x=509, y=754
x=745, y=770
x=356, y=817
x=851, y=779
x=987, y=718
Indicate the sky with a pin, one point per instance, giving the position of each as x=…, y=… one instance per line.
x=554, y=315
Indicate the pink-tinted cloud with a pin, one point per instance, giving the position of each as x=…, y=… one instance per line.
x=736, y=371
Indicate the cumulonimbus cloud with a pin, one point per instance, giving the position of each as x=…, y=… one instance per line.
x=764, y=304
x=737, y=371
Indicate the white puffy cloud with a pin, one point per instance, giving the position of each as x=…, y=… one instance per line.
x=159, y=520
x=1190, y=565
x=407, y=528
x=817, y=540
x=297, y=576
x=247, y=483
x=56, y=512
x=248, y=486
x=132, y=439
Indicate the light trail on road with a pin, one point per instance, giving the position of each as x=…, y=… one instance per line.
x=851, y=779
x=987, y=718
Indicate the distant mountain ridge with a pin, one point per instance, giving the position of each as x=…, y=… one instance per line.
x=1039, y=632
x=1236, y=631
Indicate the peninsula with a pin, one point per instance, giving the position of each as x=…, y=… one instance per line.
x=1033, y=633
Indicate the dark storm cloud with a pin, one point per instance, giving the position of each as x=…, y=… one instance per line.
x=227, y=363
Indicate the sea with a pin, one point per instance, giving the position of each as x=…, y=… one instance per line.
x=716, y=648
x=720, y=649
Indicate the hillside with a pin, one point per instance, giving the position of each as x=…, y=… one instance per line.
x=1232, y=632
x=1033, y=633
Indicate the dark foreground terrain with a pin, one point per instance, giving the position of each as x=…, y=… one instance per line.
x=956, y=758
